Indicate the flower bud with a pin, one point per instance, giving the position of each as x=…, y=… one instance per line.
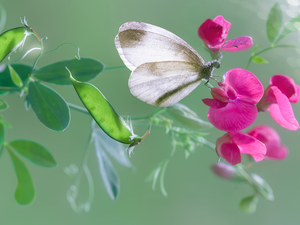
x=249, y=204
x=225, y=171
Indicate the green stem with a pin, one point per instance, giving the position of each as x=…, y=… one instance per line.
x=164, y=167
x=78, y=108
x=114, y=67
x=267, y=49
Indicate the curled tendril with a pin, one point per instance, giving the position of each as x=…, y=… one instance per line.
x=76, y=56
x=72, y=193
x=26, y=53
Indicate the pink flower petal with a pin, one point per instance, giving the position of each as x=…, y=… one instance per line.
x=248, y=144
x=236, y=115
x=276, y=152
x=265, y=134
x=211, y=33
x=219, y=94
x=285, y=84
x=213, y=103
x=237, y=44
x=224, y=23
x=231, y=153
x=282, y=112
x=295, y=98
x=245, y=83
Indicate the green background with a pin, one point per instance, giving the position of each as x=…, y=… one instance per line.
x=195, y=194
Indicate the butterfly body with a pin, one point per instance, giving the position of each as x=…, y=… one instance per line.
x=164, y=67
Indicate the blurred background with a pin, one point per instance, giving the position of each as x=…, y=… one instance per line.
x=195, y=194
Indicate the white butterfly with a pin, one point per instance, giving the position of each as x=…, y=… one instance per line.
x=164, y=67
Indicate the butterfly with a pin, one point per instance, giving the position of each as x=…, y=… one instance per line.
x=165, y=68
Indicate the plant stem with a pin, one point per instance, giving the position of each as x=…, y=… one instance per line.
x=114, y=67
x=267, y=49
x=78, y=108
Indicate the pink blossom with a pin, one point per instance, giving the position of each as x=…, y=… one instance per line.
x=277, y=98
x=214, y=33
x=233, y=104
x=271, y=139
x=231, y=145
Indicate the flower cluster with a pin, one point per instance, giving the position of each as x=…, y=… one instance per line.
x=237, y=100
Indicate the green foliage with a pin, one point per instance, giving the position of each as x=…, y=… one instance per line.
x=15, y=77
x=274, y=22
x=83, y=70
x=248, y=204
x=34, y=152
x=49, y=107
x=6, y=83
x=25, y=190
x=259, y=60
x=107, y=171
x=3, y=104
x=262, y=187
x=188, y=117
x=289, y=27
x=113, y=148
x=102, y=112
x=11, y=40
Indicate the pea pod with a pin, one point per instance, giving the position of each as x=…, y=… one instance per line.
x=12, y=39
x=102, y=112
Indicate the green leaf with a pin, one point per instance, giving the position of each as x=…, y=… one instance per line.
x=249, y=204
x=113, y=148
x=15, y=77
x=289, y=27
x=188, y=117
x=84, y=70
x=102, y=112
x=254, y=50
x=262, y=187
x=6, y=83
x=12, y=39
x=49, y=107
x=274, y=22
x=108, y=173
x=259, y=60
x=3, y=104
x=24, y=193
x=34, y=152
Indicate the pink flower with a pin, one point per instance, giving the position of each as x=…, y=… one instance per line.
x=233, y=104
x=277, y=98
x=231, y=145
x=214, y=33
x=271, y=139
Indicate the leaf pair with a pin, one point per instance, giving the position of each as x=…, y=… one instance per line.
x=103, y=144
x=50, y=108
x=274, y=23
x=36, y=154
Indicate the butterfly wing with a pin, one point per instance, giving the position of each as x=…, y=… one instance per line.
x=164, y=83
x=139, y=43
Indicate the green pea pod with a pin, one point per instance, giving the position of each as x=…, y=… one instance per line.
x=102, y=112
x=12, y=39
